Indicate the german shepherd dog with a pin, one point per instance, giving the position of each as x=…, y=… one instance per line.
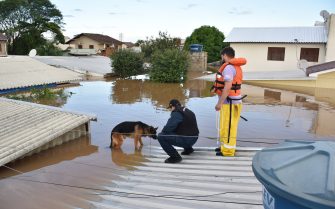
x=131, y=129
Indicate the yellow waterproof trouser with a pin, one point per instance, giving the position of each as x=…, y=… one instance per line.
x=229, y=118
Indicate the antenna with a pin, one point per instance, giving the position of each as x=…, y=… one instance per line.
x=325, y=15
x=121, y=37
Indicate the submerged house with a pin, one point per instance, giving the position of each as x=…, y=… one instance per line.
x=92, y=43
x=283, y=48
x=3, y=45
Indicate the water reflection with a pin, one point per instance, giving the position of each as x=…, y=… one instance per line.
x=67, y=151
x=56, y=97
x=127, y=160
x=320, y=116
x=258, y=95
x=272, y=95
x=131, y=91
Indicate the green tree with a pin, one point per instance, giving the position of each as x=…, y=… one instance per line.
x=162, y=42
x=49, y=49
x=25, y=21
x=211, y=38
x=127, y=63
x=169, y=66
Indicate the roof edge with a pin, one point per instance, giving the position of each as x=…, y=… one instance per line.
x=90, y=116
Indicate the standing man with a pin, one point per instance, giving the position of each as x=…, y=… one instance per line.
x=181, y=130
x=228, y=88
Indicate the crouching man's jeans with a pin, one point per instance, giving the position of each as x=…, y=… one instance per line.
x=167, y=143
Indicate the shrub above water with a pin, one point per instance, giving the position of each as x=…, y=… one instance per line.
x=169, y=66
x=127, y=63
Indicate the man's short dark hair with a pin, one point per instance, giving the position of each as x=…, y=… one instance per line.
x=174, y=103
x=230, y=52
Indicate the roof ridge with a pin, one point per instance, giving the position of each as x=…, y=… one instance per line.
x=304, y=34
x=97, y=37
x=280, y=27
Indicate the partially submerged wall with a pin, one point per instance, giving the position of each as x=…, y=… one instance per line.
x=322, y=87
x=198, y=61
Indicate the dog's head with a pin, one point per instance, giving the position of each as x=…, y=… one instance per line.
x=151, y=132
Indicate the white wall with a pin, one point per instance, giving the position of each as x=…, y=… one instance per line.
x=330, y=53
x=86, y=42
x=257, y=53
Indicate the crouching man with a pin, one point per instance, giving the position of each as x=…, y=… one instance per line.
x=181, y=130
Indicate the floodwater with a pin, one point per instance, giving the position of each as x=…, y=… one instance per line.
x=73, y=174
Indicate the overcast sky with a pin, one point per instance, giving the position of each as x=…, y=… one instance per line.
x=138, y=19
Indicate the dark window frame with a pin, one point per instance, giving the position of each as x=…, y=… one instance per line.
x=80, y=46
x=91, y=46
x=310, y=54
x=276, y=54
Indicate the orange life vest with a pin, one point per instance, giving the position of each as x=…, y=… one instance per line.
x=219, y=82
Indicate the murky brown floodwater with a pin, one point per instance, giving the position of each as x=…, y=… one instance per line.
x=61, y=177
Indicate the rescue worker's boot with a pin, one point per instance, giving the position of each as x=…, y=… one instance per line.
x=187, y=151
x=174, y=159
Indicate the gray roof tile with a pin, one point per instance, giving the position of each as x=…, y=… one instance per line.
x=315, y=34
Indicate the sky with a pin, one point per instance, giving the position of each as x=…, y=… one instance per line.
x=138, y=19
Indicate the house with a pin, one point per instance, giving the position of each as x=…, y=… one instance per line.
x=65, y=46
x=131, y=46
x=91, y=43
x=283, y=48
x=127, y=45
x=3, y=45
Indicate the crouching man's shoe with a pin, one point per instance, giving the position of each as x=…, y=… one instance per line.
x=174, y=160
x=187, y=151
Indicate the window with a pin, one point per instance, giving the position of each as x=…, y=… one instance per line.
x=0, y=47
x=276, y=53
x=80, y=46
x=91, y=46
x=310, y=54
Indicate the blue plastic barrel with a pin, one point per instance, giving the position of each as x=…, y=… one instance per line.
x=297, y=175
x=196, y=48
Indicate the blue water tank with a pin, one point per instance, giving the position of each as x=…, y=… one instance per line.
x=297, y=175
x=196, y=48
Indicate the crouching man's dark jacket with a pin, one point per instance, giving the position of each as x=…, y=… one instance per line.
x=182, y=122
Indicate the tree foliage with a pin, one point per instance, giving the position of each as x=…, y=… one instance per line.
x=169, y=66
x=127, y=63
x=25, y=21
x=49, y=49
x=162, y=42
x=211, y=38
